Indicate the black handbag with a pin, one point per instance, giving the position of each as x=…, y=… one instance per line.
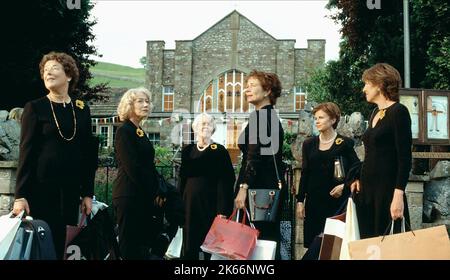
x=263, y=203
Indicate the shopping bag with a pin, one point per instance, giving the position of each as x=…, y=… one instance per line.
x=21, y=246
x=8, y=229
x=264, y=250
x=423, y=244
x=72, y=232
x=230, y=239
x=174, y=249
x=333, y=234
x=351, y=229
x=263, y=204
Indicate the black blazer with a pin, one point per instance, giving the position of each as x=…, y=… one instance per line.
x=47, y=160
x=258, y=167
x=135, y=161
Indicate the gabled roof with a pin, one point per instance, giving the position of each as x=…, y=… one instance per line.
x=229, y=15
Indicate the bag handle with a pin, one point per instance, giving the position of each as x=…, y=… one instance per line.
x=280, y=185
x=391, y=226
x=248, y=216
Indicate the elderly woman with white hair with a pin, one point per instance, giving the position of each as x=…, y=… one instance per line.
x=206, y=183
x=136, y=184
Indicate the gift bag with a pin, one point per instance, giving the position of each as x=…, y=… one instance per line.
x=21, y=246
x=72, y=232
x=8, y=229
x=174, y=249
x=333, y=234
x=264, y=250
x=351, y=229
x=230, y=239
x=423, y=244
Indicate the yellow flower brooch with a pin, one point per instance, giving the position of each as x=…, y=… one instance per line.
x=382, y=113
x=140, y=132
x=339, y=141
x=79, y=104
x=213, y=146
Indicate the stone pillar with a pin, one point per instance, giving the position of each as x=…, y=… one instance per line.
x=7, y=185
x=414, y=196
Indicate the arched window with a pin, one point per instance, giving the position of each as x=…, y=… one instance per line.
x=224, y=94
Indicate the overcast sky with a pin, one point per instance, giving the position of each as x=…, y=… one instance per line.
x=124, y=26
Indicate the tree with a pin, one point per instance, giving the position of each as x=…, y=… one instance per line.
x=48, y=26
x=143, y=62
x=372, y=36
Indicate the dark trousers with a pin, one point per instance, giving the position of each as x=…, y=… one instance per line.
x=58, y=207
x=137, y=227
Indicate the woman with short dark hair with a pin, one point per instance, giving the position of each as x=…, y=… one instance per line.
x=321, y=190
x=387, y=162
x=58, y=158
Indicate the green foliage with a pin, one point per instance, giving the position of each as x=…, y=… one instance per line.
x=47, y=26
x=163, y=161
x=372, y=36
x=289, y=138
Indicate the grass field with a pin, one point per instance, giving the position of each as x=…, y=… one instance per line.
x=117, y=76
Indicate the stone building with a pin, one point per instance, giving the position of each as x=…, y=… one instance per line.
x=208, y=73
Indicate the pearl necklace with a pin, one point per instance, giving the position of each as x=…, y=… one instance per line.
x=328, y=141
x=201, y=149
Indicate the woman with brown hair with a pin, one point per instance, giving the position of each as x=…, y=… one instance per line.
x=58, y=157
x=387, y=161
x=260, y=142
x=327, y=159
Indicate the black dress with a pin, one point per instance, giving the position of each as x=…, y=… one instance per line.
x=317, y=180
x=134, y=192
x=386, y=167
x=53, y=173
x=206, y=182
x=258, y=167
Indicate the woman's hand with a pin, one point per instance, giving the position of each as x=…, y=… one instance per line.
x=300, y=210
x=86, y=205
x=20, y=205
x=336, y=192
x=355, y=186
x=160, y=201
x=397, y=205
x=239, y=202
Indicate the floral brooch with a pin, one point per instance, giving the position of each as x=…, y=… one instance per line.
x=339, y=141
x=79, y=104
x=140, y=132
x=213, y=146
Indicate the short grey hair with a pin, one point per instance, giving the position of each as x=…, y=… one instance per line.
x=126, y=102
x=199, y=118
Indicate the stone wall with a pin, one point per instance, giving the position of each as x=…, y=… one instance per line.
x=7, y=185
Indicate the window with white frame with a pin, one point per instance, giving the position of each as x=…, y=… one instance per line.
x=299, y=99
x=104, y=131
x=167, y=100
x=154, y=137
x=224, y=94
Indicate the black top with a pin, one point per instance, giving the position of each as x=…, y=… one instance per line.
x=317, y=180
x=136, y=175
x=258, y=145
x=387, y=160
x=386, y=167
x=206, y=182
x=46, y=158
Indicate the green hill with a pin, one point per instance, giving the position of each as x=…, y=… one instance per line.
x=117, y=76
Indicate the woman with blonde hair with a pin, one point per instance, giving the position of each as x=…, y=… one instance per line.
x=135, y=187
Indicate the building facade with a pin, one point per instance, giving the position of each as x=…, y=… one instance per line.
x=207, y=74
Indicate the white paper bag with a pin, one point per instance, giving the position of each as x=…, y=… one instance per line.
x=264, y=250
x=351, y=229
x=174, y=249
x=8, y=229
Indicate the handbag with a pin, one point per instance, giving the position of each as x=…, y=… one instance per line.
x=264, y=203
x=424, y=244
x=230, y=239
x=72, y=232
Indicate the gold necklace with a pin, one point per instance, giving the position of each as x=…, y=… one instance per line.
x=57, y=124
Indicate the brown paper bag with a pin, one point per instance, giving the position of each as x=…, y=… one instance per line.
x=425, y=244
